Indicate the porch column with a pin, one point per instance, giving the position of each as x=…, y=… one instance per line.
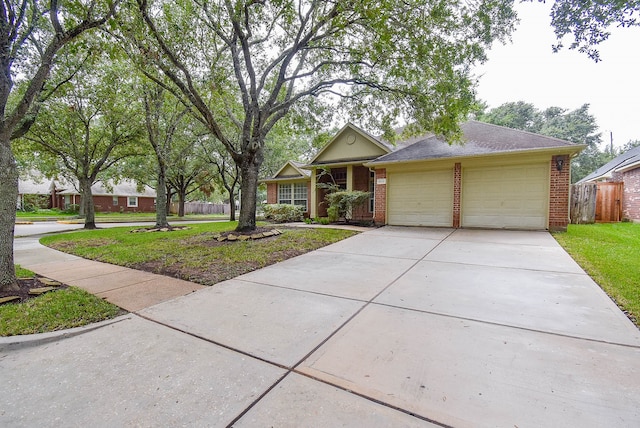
x=313, y=197
x=349, y=178
x=380, y=197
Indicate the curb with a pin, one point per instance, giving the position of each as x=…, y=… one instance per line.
x=12, y=343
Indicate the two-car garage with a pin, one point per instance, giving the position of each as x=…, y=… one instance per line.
x=490, y=196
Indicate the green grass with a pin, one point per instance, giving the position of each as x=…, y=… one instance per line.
x=23, y=273
x=191, y=254
x=610, y=254
x=56, y=310
x=105, y=217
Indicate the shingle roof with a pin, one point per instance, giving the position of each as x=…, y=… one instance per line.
x=480, y=138
x=124, y=188
x=626, y=159
x=32, y=186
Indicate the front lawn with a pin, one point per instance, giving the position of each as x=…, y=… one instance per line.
x=56, y=310
x=193, y=254
x=610, y=254
x=107, y=217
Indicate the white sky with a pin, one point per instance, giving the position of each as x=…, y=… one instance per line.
x=527, y=70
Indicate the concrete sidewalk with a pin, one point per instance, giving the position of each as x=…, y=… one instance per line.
x=128, y=288
x=392, y=327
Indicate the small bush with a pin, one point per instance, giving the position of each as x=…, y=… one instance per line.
x=283, y=213
x=72, y=209
x=323, y=220
x=343, y=203
x=332, y=213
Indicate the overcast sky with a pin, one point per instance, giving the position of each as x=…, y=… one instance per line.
x=527, y=70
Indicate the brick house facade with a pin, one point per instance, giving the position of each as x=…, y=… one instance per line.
x=124, y=197
x=428, y=182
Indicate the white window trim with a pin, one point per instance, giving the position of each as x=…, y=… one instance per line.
x=291, y=200
x=129, y=204
x=114, y=201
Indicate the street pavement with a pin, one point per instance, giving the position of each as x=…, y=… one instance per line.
x=392, y=327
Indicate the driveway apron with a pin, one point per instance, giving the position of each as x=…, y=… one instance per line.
x=393, y=327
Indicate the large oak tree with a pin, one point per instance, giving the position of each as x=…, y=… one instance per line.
x=32, y=32
x=241, y=66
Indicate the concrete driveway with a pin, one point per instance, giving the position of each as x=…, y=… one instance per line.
x=393, y=327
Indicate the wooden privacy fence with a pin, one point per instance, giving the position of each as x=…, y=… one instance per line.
x=202, y=208
x=596, y=202
x=609, y=202
x=583, y=203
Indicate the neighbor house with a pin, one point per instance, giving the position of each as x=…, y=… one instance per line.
x=499, y=178
x=126, y=196
x=34, y=192
x=621, y=179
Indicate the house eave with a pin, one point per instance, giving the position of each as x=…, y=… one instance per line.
x=339, y=163
x=561, y=150
x=629, y=167
x=284, y=179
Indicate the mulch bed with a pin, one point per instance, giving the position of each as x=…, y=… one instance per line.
x=28, y=285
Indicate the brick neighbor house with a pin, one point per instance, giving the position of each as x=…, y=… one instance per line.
x=122, y=197
x=499, y=178
x=624, y=170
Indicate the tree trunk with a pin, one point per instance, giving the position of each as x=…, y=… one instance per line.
x=161, y=199
x=168, y=203
x=232, y=206
x=248, y=194
x=181, y=198
x=8, y=201
x=86, y=200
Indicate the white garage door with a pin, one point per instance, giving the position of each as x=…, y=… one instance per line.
x=507, y=197
x=420, y=198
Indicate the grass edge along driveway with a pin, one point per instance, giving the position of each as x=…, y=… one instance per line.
x=193, y=254
x=610, y=254
x=183, y=253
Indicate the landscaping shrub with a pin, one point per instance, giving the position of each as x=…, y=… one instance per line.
x=283, y=213
x=342, y=204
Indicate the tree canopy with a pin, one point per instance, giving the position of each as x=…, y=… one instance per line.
x=589, y=21
x=243, y=66
x=32, y=33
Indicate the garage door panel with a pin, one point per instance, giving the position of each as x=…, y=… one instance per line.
x=511, y=197
x=422, y=198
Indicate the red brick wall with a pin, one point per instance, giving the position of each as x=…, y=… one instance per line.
x=380, y=210
x=631, y=198
x=272, y=193
x=145, y=205
x=105, y=204
x=559, y=195
x=457, y=185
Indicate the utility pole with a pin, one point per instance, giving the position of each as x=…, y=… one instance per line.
x=611, y=143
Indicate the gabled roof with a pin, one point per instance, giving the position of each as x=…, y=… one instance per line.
x=627, y=161
x=350, y=144
x=123, y=188
x=291, y=170
x=480, y=139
